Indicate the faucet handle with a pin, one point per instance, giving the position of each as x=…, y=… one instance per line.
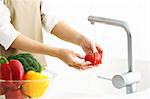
x=120, y=81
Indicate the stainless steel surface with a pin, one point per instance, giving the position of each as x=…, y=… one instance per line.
x=130, y=88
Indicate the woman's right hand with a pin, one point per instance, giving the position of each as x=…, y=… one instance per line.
x=73, y=59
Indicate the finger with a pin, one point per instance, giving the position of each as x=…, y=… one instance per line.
x=88, y=66
x=79, y=56
x=99, y=49
x=79, y=64
x=82, y=67
x=87, y=63
x=93, y=46
x=76, y=67
x=85, y=67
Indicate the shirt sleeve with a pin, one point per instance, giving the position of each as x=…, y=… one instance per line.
x=7, y=32
x=49, y=19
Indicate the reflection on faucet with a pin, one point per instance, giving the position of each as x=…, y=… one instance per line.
x=132, y=86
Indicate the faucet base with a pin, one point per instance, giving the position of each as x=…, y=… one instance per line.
x=131, y=88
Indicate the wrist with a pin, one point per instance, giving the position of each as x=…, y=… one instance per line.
x=53, y=51
x=57, y=52
x=79, y=40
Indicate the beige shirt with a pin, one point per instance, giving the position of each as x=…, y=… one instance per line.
x=26, y=17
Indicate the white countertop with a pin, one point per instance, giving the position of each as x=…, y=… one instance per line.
x=74, y=84
x=140, y=95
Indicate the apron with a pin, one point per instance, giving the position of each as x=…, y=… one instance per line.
x=26, y=18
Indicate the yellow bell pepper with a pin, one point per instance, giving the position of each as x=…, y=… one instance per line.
x=36, y=85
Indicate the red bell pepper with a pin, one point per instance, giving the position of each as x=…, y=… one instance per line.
x=14, y=94
x=12, y=70
x=5, y=71
x=95, y=58
x=2, y=89
x=17, y=70
x=5, y=74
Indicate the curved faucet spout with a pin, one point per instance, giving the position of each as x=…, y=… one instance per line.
x=119, y=23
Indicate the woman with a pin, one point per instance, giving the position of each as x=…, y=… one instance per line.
x=21, y=24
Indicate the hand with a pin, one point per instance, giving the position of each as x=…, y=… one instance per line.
x=73, y=59
x=93, y=52
x=89, y=47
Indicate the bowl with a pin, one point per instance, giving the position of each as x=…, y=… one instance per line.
x=26, y=89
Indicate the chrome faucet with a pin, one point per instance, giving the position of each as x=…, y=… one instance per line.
x=130, y=78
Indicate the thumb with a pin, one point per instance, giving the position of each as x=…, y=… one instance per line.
x=79, y=55
x=93, y=47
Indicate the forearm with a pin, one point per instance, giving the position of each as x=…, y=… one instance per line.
x=66, y=33
x=27, y=44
